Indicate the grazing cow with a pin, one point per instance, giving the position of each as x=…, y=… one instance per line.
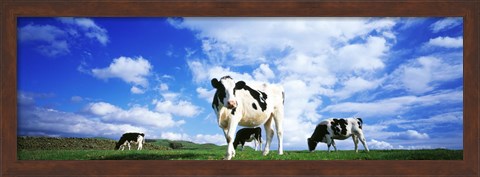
x=127, y=138
x=236, y=103
x=248, y=135
x=330, y=129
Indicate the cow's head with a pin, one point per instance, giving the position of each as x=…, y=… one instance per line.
x=311, y=144
x=226, y=91
x=117, y=146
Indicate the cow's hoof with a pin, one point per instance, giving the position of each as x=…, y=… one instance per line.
x=265, y=153
x=280, y=153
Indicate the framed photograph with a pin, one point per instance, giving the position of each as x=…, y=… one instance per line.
x=88, y=87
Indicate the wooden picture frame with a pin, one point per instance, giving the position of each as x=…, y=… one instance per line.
x=11, y=10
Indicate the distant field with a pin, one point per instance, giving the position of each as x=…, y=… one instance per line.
x=102, y=149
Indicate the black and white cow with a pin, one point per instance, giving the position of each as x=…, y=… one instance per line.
x=330, y=129
x=248, y=105
x=127, y=138
x=248, y=135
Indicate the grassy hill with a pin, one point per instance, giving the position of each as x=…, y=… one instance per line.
x=49, y=143
x=42, y=148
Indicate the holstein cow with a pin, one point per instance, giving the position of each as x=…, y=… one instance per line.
x=330, y=129
x=248, y=135
x=127, y=138
x=236, y=103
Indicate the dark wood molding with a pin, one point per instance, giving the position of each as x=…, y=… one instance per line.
x=10, y=10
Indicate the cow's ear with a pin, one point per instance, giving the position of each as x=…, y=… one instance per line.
x=239, y=85
x=215, y=83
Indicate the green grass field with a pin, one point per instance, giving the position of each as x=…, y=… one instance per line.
x=102, y=149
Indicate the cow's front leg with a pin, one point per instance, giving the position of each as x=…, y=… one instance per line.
x=230, y=135
x=333, y=144
x=329, y=142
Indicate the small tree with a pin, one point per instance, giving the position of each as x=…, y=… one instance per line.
x=175, y=145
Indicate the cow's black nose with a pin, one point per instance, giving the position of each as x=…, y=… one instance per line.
x=232, y=104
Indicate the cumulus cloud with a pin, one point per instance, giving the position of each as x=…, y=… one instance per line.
x=411, y=134
x=356, y=84
x=34, y=120
x=263, y=73
x=446, y=42
x=179, y=108
x=422, y=74
x=251, y=40
x=131, y=70
x=199, y=138
x=205, y=94
x=134, y=115
x=375, y=144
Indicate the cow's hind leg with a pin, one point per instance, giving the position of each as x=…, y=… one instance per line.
x=363, y=140
x=355, y=142
x=269, y=133
x=279, y=126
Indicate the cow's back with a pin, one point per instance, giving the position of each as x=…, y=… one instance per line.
x=256, y=111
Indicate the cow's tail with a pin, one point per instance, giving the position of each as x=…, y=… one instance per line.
x=360, y=122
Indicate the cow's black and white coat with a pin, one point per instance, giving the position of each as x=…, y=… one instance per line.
x=330, y=129
x=248, y=105
x=127, y=138
x=248, y=135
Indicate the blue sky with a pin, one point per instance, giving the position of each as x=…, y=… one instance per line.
x=101, y=77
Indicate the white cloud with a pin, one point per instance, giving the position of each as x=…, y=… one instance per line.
x=454, y=118
x=356, y=84
x=422, y=74
x=374, y=144
x=199, y=138
x=446, y=24
x=263, y=73
x=205, y=94
x=174, y=136
x=50, y=122
x=137, y=90
x=395, y=105
x=53, y=39
x=163, y=87
x=56, y=41
x=413, y=134
x=179, y=108
x=446, y=42
x=366, y=56
x=243, y=41
x=89, y=27
x=203, y=72
x=102, y=108
x=135, y=115
x=130, y=70
x=46, y=33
